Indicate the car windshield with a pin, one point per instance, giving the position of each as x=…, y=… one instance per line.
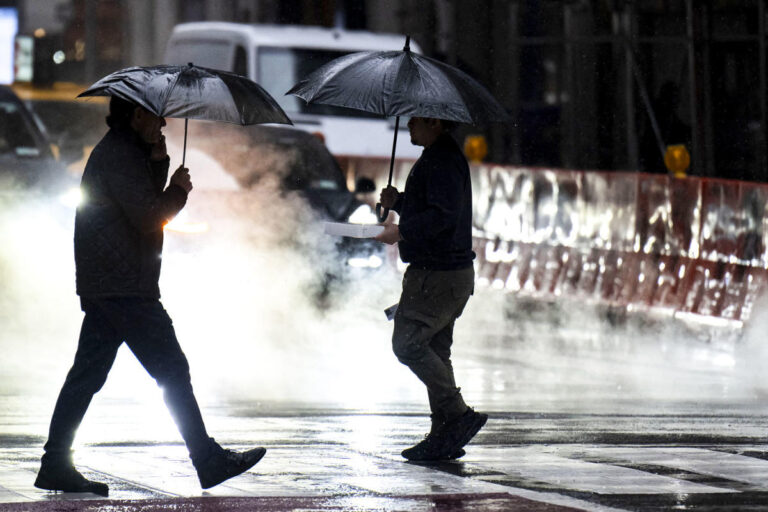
x=15, y=133
x=281, y=68
x=79, y=120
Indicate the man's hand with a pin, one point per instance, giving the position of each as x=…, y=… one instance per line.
x=390, y=235
x=182, y=179
x=159, y=151
x=388, y=197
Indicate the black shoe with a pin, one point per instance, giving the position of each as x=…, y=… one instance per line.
x=459, y=432
x=223, y=464
x=429, y=449
x=64, y=477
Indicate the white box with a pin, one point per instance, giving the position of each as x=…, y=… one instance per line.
x=353, y=230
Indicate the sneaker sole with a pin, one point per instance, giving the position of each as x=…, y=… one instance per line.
x=455, y=455
x=97, y=488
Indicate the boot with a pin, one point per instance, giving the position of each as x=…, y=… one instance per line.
x=61, y=475
x=221, y=464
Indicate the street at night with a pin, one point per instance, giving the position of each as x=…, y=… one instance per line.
x=383, y=255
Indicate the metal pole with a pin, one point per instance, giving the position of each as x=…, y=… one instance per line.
x=693, y=85
x=90, y=40
x=762, y=172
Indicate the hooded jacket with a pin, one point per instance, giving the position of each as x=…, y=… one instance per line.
x=119, y=225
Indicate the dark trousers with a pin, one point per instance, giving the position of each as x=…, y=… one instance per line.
x=430, y=303
x=147, y=329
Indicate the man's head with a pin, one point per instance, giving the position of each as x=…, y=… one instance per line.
x=147, y=125
x=425, y=130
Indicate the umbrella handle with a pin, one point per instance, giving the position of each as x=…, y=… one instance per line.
x=381, y=217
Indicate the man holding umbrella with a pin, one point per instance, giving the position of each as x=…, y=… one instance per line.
x=434, y=236
x=118, y=248
x=435, y=230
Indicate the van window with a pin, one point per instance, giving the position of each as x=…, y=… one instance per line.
x=280, y=68
x=241, y=64
x=204, y=53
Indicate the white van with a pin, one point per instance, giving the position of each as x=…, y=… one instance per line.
x=278, y=56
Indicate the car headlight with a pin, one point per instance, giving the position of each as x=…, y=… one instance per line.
x=371, y=261
x=72, y=197
x=363, y=215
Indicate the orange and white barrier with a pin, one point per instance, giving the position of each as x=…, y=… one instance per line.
x=689, y=248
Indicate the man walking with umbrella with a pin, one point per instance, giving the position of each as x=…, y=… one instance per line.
x=434, y=236
x=435, y=230
x=118, y=248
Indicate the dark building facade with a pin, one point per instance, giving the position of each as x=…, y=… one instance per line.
x=601, y=84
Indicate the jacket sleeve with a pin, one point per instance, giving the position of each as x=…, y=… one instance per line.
x=137, y=188
x=444, y=183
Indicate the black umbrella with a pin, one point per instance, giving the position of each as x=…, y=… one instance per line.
x=400, y=83
x=192, y=92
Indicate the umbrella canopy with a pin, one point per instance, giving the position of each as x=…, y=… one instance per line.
x=400, y=83
x=192, y=92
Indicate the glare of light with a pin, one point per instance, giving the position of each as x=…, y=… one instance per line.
x=72, y=197
x=39, y=32
x=59, y=57
x=371, y=261
x=181, y=224
x=363, y=215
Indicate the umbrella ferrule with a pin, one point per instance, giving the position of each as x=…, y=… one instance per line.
x=407, y=46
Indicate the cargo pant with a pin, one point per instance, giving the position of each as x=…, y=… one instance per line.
x=430, y=303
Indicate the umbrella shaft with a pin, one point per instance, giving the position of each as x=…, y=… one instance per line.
x=394, y=145
x=184, y=153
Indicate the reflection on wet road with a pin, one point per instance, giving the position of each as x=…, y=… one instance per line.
x=586, y=412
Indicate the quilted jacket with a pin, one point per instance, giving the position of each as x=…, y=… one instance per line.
x=119, y=225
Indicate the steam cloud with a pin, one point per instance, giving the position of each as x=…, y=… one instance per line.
x=243, y=300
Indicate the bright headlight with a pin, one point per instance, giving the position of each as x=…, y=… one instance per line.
x=72, y=197
x=371, y=261
x=363, y=215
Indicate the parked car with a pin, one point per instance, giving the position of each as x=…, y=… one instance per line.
x=242, y=161
x=27, y=159
x=73, y=125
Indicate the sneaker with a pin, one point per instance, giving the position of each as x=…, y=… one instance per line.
x=429, y=449
x=223, y=464
x=460, y=431
x=62, y=476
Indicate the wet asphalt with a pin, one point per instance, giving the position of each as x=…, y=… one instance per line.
x=582, y=417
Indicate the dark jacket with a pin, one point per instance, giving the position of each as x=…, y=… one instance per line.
x=119, y=226
x=436, y=210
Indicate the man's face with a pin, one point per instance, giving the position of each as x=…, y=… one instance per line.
x=423, y=131
x=147, y=125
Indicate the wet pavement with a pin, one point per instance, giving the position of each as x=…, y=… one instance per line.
x=585, y=413
x=340, y=460
x=625, y=453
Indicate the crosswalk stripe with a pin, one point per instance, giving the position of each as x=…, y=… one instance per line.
x=739, y=468
x=533, y=463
